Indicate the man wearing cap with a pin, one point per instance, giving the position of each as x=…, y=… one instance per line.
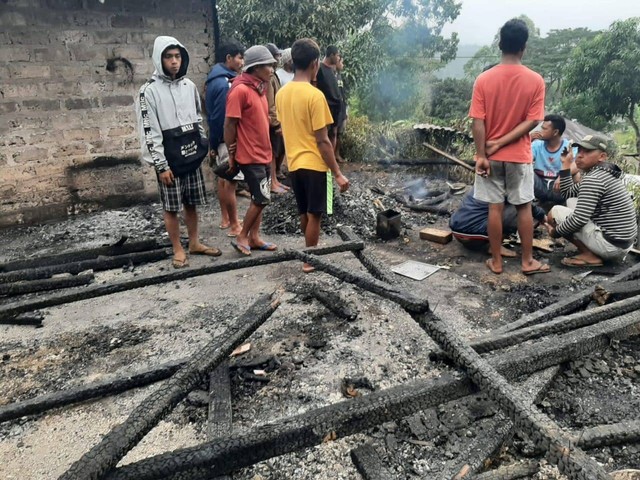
x=603, y=223
x=285, y=73
x=173, y=141
x=246, y=133
x=275, y=131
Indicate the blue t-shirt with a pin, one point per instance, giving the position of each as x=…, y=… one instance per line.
x=546, y=163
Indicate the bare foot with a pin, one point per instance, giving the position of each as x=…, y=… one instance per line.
x=490, y=266
x=534, y=267
x=306, y=268
x=235, y=230
x=505, y=252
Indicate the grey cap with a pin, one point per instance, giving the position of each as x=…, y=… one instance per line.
x=273, y=48
x=257, y=55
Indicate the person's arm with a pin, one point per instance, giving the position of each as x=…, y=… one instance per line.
x=152, y=147
x=492, y=146
x=591, y=191
x=272, y=89
x=230, y=138
x=203, y=132
x=326, y=151
x=479, y=137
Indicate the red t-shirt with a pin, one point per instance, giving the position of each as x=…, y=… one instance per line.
x=505, y=96
x=247, y=104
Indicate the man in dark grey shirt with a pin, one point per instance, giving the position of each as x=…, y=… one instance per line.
x=327, y=83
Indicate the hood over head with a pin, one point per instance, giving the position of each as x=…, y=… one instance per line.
x=159, y=46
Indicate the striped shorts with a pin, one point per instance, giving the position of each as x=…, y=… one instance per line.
x=186, y=190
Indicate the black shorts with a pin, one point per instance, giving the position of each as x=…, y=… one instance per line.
x=258, y=178
x=310, y=188
x=277, y=143
x=335, y=113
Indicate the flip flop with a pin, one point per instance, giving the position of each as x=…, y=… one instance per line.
x=543, y=268
x=208, y=251
x=242, y=249
x=267, y=247
x=180, y=263
x=489, y=264
x=575, y=262
x=221, y=227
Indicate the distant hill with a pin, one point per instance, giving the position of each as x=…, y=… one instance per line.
x=455, y=68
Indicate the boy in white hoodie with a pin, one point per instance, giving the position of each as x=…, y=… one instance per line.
x=173, y=140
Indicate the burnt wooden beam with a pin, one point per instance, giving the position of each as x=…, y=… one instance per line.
x=607, y=435
x=367, y=258
x=328, y=296
x=119, y=248
x=614, y=292
x=10, y=310
x=33, y=286
x=367, y=461
x=96, y=264
x=104, y=456
x=220, y=419
x=511, y=472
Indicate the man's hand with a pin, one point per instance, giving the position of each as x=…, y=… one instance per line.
x=213, y=158
x=551, y=229
x=556, y=185
x=537, y=135
x=167, y=177
x=343, y=182
x=491, y=147
x=278, y=131
x=483, y=167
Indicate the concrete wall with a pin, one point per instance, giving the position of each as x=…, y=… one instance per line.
x=69, y=73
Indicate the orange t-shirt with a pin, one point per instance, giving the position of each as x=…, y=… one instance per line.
x=249, y=106
x=505, y=96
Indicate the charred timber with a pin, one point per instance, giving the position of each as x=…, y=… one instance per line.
x=102, y=388
x=21, y=288
x=511, y=472
x=367, y=461
x=114, y=445
x=615, y=292
x=567, y=305
x=12, y=309
x=500, y=428
x=95, y=264
x=220, y=419
x=559, y=325
x=361, y=413
x=607, y=435
x=406, y=301
x=326, y=295
x=366, y=258
x=34, y=319
x=79, y=255
x=544, y=433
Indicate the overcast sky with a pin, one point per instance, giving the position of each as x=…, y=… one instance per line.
x=479, y=20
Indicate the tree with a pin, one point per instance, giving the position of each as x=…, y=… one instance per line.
x=386, y=43
x=605, y=69
x=450, y=98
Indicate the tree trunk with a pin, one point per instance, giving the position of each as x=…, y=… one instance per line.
x=634, y=125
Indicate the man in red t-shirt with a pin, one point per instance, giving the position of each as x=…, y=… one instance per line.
x=507, y=103
x=246, y=133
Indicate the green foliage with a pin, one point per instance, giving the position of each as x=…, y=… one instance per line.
x=606, y=70
x=580, y=107
x=450, y=98
x=387, y=44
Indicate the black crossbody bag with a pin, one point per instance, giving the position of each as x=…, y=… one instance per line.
x=184, y=148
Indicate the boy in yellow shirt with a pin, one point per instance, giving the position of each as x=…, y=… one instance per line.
x=304, y=115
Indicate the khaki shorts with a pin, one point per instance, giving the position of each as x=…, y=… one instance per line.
x=223, y=156
x=590, y=235
x=508, y=181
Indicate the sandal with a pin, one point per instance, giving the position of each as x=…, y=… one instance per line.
x=576, y=262
x=180, y=262
x=543, y=268
x=243, y=249
x=267, y=247
x=208, y=251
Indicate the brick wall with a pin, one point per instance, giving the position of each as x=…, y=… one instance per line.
x=69, y=73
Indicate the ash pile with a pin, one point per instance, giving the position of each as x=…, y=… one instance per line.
x=420, y=199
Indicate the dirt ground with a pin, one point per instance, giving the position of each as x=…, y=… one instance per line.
x=308, y=350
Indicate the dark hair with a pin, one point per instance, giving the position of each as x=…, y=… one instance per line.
x=557, y=121
x=303, y=52
x=513, y=36
x=331, y=50
x=228, y=47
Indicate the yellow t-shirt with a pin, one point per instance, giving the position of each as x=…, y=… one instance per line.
x=302, y=110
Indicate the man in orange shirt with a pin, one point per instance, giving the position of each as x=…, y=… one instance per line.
x=507, y=103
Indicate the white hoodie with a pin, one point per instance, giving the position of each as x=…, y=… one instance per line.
x=170, y=104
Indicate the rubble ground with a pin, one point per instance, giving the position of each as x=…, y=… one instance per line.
x=305, y=349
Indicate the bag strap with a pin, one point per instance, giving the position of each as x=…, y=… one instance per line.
x=146, y=125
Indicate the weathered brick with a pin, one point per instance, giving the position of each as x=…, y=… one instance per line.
x=14, y=54
x=70, y=149
x=64, y=4
x=132, y=144
x=86, y=134
x=26, y=70
x=81, y=103
x=8, y=107
x=41, y=105
x=159, y=22
x=12, y=141
x=117, y=101
x=110, y=6
x=28, y=37
x=127, y=21
x=30, y=154
x=85, y=53
x=3, y=159
x=120, y=131
x=13, y=19
x=108, y=37
x=130, y=52
x=51, y=54
x=70, y=37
